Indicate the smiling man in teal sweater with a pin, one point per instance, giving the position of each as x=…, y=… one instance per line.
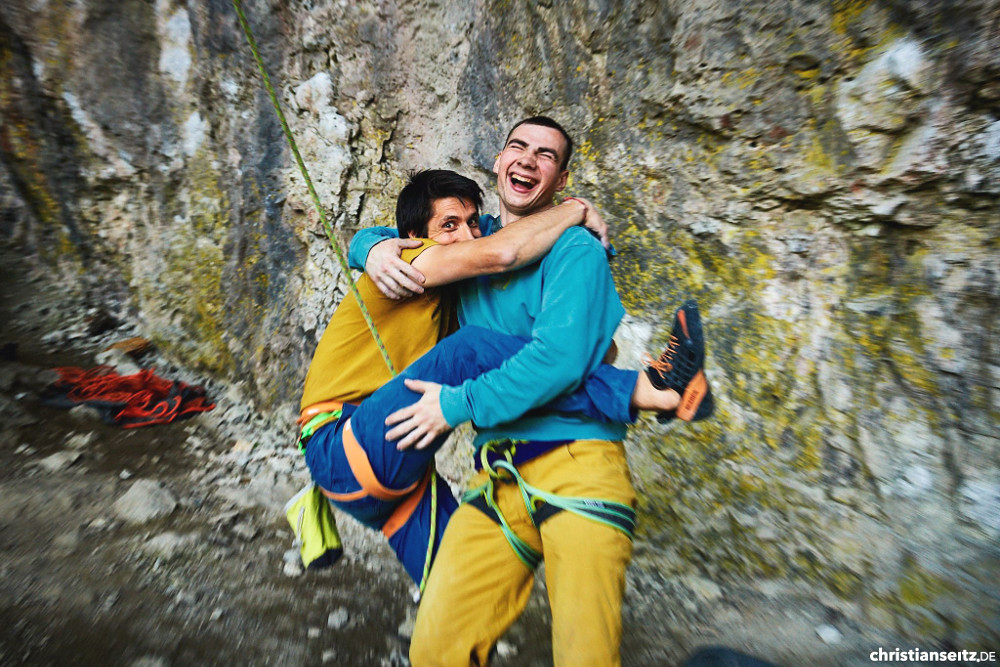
x=552, y=486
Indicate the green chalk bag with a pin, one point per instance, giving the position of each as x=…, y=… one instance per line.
x=315, y=528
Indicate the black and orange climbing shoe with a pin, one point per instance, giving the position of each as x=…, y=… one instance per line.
x=681, y=367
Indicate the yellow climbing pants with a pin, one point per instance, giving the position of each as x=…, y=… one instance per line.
x=478, y=586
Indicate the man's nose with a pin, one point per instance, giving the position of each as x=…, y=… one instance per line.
x=526, y=159
x=464, y=233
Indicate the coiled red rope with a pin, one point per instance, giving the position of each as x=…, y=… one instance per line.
x=140, y=399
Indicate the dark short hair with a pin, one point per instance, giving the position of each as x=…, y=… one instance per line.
x=415, y=203
x=545, y=121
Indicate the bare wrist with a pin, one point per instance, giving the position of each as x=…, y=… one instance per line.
x=581, y=203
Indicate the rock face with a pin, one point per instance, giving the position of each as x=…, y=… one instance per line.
x=823, y=177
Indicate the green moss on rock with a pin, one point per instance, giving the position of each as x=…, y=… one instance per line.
x=195, y=275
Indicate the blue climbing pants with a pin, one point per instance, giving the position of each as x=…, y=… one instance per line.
x=466, y=354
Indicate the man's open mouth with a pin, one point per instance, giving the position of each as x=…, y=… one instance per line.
x=522, y=183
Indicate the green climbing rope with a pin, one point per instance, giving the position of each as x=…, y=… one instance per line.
x=238, y=6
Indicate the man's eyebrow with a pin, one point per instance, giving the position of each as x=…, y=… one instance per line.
x=520, y=143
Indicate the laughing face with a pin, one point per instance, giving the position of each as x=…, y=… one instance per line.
x=529, y=171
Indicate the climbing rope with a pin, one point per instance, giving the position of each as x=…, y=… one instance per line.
x=130, y=401
x=238, y=6
x=345, y=269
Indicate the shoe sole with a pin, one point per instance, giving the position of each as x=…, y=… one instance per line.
x=696, y=402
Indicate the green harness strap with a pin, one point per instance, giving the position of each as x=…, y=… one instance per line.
x=313, y=424
x=608, y=512
x=345, y=269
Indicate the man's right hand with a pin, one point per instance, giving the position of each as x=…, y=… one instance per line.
x=421, y=422
x=394, y=277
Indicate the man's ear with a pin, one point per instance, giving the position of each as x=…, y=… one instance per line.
x=496, y=165
x=561, y=183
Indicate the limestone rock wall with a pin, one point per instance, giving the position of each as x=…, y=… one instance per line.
x=823, y=177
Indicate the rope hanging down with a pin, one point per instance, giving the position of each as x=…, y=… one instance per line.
x=345, y=269
x=238, y=6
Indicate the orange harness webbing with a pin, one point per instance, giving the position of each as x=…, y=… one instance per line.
x=318, y=408
x=405, y=510
x=365, y=476
x=362, y=469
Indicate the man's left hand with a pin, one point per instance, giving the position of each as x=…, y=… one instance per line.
x=595, y=223
x=421, y=422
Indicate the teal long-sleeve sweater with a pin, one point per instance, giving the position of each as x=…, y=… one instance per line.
x=566, y=304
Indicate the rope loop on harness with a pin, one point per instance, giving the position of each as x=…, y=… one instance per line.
x=500, y=468
x=508, y=449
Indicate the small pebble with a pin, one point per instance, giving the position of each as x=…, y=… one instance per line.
x=338, y=619
x=829, y=634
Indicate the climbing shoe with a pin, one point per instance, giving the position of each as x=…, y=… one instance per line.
x=316, y=536
x=681, y=367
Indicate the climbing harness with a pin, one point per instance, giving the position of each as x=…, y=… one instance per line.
x=497, y=458
x=345, y=271
x=315, y=417
x=361, y=468
x=314, y=424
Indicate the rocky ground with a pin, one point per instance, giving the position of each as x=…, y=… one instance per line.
x=167, y=545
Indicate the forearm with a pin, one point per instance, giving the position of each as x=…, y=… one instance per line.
x=510, y=248
x=528, y=239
